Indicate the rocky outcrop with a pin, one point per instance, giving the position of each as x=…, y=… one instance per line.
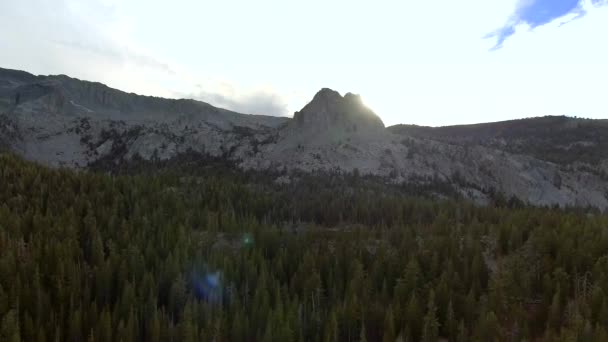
x=62, y=121
x=329, y=111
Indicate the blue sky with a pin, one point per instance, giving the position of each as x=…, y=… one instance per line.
x=425, y=62
x=535, y=13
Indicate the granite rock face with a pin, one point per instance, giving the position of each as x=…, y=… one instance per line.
x=329, y=111
x=62, y=121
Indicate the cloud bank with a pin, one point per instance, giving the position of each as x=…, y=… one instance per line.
x=92, y=40
x=228, y=96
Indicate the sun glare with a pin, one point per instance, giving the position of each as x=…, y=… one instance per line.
x=367, y=104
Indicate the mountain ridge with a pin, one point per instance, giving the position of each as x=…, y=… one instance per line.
x=62, y=121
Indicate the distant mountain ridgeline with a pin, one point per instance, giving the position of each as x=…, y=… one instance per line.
x=558, y=139
x=62, y=121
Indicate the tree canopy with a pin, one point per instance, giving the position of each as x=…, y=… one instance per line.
x=227, y=256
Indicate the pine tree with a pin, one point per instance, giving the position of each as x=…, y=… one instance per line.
x=413, y=315
x=600, y=333
x=430, y=331
x=331, y=329
x=238, y=327
x=9, y=328
x=463, y=335
x=154, y=334
x=555, y=311
x=268, y=332
x=389, y=326
x=28, y=331
x=362, y=333
x=75, y=329
x=104, y=327
x=4, y=301
x=451, y=325
x=487, y=328
x=603, y=314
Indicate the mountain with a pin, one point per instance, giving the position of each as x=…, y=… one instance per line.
x=559, y=139
x=62, y=121
x=329, y=111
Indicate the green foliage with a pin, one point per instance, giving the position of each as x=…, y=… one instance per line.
x=228, y=256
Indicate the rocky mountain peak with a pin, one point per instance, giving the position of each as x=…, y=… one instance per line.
x=330, y=110
x=353, y=98
x=63, y=121
x=326, y=94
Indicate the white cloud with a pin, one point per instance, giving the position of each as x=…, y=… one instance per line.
x=264, y=101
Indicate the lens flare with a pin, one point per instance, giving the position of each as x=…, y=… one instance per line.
x=208, y=287
x=247, y=240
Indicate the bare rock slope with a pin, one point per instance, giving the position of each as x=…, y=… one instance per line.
x=62, y=121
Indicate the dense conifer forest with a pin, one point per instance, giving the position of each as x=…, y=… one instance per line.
x=216, y=255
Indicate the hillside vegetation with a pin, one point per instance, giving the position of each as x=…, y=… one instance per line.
x=230, y=256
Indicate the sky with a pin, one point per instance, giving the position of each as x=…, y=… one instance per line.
x=435, y=63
